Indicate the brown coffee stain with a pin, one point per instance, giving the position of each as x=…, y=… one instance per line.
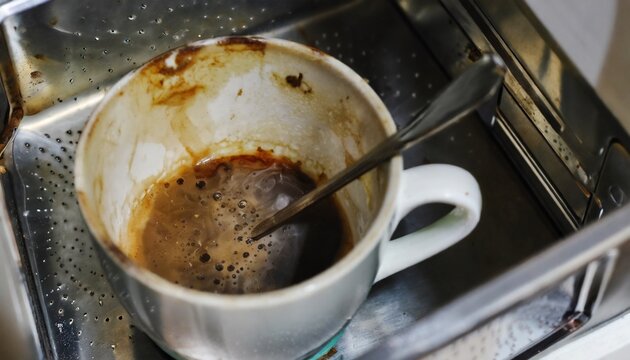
x=175, y=86
x=299, y=83
x=13, y=122
x=82, y=197
x=36, y=74
x=241, y=43
x=90, y=134
x=117, y=252
x=185, y=133
x=318, y=51
x=329, y=354
x=99, y=231
x=184, y=58
x=345, y=124
x=348, y=158
x=97, y=225
x=292, y=82
x=98, y=189
x=178, y=95
x=157, y=72
x=207, y=167
x=295, y=81
x=176, y=92
x=18, y=107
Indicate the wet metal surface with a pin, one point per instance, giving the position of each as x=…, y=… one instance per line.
x=83, y=318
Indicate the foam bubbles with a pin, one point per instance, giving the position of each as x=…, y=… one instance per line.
x=200, y=245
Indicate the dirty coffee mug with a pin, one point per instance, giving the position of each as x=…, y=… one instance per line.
x=231, y=96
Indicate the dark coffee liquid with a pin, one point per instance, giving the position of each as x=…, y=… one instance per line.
x=193, y=229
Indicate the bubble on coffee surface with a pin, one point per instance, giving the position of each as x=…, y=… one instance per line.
x=198, y=236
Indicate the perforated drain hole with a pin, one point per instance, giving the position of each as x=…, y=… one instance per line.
x=405, y=87
x=76, y=293
x=102, y=40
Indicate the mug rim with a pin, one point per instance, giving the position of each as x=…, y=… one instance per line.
x=330, y=275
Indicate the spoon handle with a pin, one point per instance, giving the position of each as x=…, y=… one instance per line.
x=475, y=86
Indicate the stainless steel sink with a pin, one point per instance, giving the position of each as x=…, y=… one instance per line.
x=539, y=183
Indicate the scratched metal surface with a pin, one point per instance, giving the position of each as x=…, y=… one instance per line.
x=66, y=79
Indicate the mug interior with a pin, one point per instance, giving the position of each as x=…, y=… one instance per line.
x=224, y=97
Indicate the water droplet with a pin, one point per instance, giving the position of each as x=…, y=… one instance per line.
x=242, y=204
x=217, y=196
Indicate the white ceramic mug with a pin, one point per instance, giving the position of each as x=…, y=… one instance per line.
x=231, y=96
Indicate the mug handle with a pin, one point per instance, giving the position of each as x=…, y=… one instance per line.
x=435, y=183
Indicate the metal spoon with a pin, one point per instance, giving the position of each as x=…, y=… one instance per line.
x=475, y=86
